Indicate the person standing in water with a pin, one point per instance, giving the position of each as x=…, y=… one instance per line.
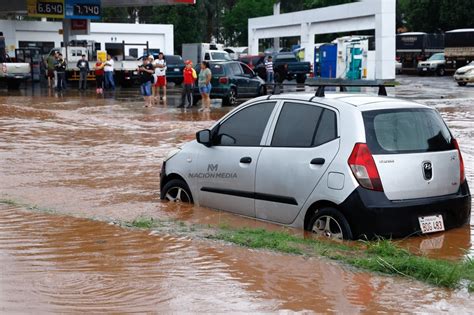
x=146, y=71
x=205, y=87
x=109, y=73
x=83, y=66
x=189, y=77
x=160, y=73
x=99, y=76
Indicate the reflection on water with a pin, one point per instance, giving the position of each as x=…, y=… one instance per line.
x=53, y=263
x=101, y=157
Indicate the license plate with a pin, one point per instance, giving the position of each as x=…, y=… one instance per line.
x=176, y=69
x=430, y=224
x=425, y=69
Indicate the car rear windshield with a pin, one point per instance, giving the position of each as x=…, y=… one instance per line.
x=216, y=69
x=174, y=60
x=406, y=131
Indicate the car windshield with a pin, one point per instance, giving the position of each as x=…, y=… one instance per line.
x=286, y=57
x=437, y=57
x=220, y=56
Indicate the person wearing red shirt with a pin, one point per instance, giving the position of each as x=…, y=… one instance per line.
x=99, y=76
x=190, y=76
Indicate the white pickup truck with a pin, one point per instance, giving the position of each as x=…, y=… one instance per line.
x=13, y=73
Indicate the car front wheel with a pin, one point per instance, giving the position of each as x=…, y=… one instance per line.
x=462, y=83
x=176, y=190
x=330, y=223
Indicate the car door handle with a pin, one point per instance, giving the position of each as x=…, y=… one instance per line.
x=317, y=161
x=246, y=160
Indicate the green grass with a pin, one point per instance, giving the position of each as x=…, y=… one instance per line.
x=144, y=223
x=381, y=256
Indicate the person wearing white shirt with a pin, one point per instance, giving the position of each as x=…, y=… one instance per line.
x=109, y=73
x=160, y=77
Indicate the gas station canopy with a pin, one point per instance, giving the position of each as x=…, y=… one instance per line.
x=20, y=7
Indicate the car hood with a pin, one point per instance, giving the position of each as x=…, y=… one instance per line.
x=433, y=62
x=465, y=68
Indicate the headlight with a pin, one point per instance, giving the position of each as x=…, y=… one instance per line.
x=172, y=153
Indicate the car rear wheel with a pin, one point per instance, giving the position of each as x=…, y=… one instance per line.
x=330, y=223
x=231, y=99
x=300, y=79
x=176, y=190
x=462, y=83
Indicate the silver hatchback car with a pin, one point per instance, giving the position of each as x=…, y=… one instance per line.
x=344, y=166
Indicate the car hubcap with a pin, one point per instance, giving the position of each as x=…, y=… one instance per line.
x=178, y=194
x=232, y=97
x=327, y=226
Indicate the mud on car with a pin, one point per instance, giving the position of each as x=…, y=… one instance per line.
x=344, y=166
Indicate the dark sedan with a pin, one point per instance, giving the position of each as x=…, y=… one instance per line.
x=232, y=80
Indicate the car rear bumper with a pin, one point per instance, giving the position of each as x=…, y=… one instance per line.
x=371, y=214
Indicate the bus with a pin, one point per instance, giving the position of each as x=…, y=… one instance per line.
x=412, y=47
x=459, y=48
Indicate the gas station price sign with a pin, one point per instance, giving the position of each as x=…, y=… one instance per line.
x=83, y=9
x=46, y=8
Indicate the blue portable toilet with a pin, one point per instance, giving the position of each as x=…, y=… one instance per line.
x=328, y=60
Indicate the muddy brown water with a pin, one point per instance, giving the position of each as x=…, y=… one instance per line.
x=100, y=158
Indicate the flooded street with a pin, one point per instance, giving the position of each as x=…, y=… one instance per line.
x=87, y=157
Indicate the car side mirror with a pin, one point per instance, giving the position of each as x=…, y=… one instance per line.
x=204, y=137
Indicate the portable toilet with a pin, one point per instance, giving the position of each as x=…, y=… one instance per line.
x=328, y=60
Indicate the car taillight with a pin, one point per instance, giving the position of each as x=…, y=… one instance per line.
x=224, y=80
x=462, y=177
x=363, y=167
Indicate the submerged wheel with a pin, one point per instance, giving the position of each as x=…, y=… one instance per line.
x=330, y=223
x=462, y=83
x=441, y=71
x=176, y=190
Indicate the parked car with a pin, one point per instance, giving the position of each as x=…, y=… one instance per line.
x=398, y=67
x=174, y=70
x=342, y=166
x=465, y=75
x=434, y=64
x=231, y=80
x=296, y=69
x=128, y=74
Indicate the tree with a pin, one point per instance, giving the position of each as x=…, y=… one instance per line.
x=235, y=26
x=436, y=15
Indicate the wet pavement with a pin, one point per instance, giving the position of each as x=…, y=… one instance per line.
x=99, y=157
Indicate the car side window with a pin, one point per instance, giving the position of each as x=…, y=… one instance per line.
x=246, y=127
x=236, y=69
x=207, y=57
x=304, y=125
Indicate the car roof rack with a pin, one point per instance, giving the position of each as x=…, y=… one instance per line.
x=322, y=83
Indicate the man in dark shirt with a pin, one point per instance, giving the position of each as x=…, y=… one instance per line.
x=146, y=71
x=83, y=66
x=60, y=68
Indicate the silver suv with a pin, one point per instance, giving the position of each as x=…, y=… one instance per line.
x=343, y=166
